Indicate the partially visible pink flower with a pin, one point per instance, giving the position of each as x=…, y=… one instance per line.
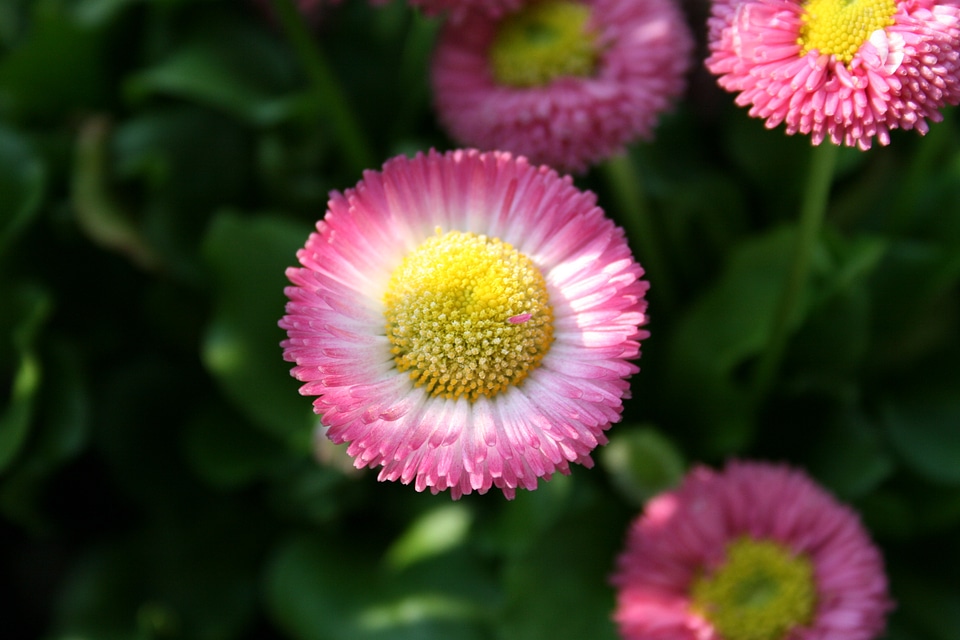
x=457, y=9
x=755, y=547
x=895, y=69
x=466, y=321
x=633, y=59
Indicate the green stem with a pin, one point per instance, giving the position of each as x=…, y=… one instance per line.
x=356, y=147
x=624, y=180
x=822, y=161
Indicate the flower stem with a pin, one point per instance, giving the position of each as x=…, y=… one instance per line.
x=356, y=148
x=822, y=161
x=624, y=179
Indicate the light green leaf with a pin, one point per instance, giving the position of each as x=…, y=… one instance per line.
x=248, y=257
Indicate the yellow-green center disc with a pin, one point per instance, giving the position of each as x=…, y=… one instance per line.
x=467, y=315
x=839, y=27
x=544, y=41
x=761, y=592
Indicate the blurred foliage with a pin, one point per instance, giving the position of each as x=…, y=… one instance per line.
x=160, y=163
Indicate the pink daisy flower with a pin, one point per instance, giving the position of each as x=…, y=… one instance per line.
x=466, y=320
x=847, y=71
x=754, y=552
x=564, y=83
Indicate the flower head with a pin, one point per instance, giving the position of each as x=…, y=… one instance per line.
x=466, y=321
x=566, y=83
x=754, y=552
x=847, y=70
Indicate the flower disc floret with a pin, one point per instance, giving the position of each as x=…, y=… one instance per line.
x=394, y=326
x=449, y=307
x=542, y=42
x=761, y=592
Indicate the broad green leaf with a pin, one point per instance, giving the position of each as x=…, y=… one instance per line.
x=248, y=257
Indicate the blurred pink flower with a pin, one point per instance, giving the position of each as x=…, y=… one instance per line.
x=847, y=71
x=756, y=551
x=564, y=83
x=466, y=321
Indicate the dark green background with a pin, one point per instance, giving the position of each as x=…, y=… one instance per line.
x=160, y=163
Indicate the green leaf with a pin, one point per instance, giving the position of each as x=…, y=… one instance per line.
x=642, y=462
x=555, y=590
x=226, y=452
x=850, y=457
x=230, y=66
x=30, y=306
x=432, y=533
x=923, y=427
x=248, y=257
x=320, y=588
x=61, y=432
x=22, y=181
x=726, y=327
x=58, y=68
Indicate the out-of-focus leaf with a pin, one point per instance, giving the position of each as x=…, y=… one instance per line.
x=248, y=257
x=530, y=514
x=57, y=69
x=30, y=305
x=192, y=578
x=923, y=316
x=63, y=419
x=230, y=66
x=724, y=328
x=22, y=180
x=98, y=212
x=849, y=457
x=188, y=161
x=555, y=590
x=641, y=462
x=925, y=429
x=432, y=533
x=226, y=452
x=931, y=605
x=320, y=588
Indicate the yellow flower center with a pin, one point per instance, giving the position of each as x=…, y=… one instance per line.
x=544, y=41
x=760, y=593
x=467, y=315
x=839, y=27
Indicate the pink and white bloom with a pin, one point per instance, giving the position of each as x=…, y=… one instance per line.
x=466, y=320
x=576, y=91
x=756, y=550
x=849, y=72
